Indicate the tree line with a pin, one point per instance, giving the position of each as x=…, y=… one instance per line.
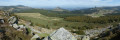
x=88, y=19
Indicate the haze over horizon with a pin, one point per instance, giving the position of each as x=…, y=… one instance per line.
x=60, y=3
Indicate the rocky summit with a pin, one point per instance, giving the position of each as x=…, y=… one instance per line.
x=61, y=34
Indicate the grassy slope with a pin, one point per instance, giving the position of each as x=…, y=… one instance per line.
x=48, y=22
x=95, y=15
x=38, y=19
x=53, y=22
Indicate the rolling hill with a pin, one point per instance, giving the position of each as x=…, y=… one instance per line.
x=15, y=8
x=99, y=10
x=59, y=12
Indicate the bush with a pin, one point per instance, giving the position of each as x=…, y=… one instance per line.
x=101, y=20
x=80, y=32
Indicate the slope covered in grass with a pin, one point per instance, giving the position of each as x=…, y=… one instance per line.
x=39, y=19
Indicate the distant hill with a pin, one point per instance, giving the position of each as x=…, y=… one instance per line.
x=94, y=12
x=15, y=8
x=96, y=9
x=22, y=8
x=99, y=11
x=58, y=9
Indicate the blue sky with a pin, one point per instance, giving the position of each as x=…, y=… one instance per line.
x=60, y=3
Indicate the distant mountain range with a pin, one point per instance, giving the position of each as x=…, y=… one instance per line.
x=99, y=10
x=15, y=7
x=19, y=8
x=95, y=10
x=58, y=9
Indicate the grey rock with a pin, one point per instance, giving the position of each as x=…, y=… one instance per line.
x=94, y=32
x=18, y=27
x=15, y=26
x=86, y=37
x=13, y=20
x=21, y=26
x=47, y=38
x=6, y=13
x=61, y=34
x=35, y=37
x=2, y=21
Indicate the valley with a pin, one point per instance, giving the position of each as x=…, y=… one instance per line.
x=40, y=24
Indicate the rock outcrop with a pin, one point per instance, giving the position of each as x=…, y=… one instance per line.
x=60, y=34
x=13, y=20
x=18, y=27
x=95, y=32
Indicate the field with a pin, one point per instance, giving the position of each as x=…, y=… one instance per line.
x=53, y=22
x=95, y=15
x=39, y=16
x=39, y=19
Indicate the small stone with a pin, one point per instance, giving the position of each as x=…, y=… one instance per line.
x=86, y=38
x=15, y=26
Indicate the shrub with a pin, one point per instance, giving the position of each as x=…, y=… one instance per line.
x=80, y=32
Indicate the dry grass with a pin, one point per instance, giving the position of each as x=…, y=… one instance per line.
x=38, y=15
x=39, y=19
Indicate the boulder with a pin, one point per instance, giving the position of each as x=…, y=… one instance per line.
x=35, y=37
x=1, y=21
x=13, y=20
x=94, y=32
x=47, y=38
x=61, y=34
x=15, y=26
x=21, y=26
x=86, y=37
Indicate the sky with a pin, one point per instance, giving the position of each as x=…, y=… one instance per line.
x=61, y=3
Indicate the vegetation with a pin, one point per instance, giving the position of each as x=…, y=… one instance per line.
x=43, y=35
x=39, y=20
x=50, y=13
x=80, y=32
x=71, y=23
x=110, y=35
x=100, y=20
x=48, y=22
x=9, y=33
x=72, y=19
